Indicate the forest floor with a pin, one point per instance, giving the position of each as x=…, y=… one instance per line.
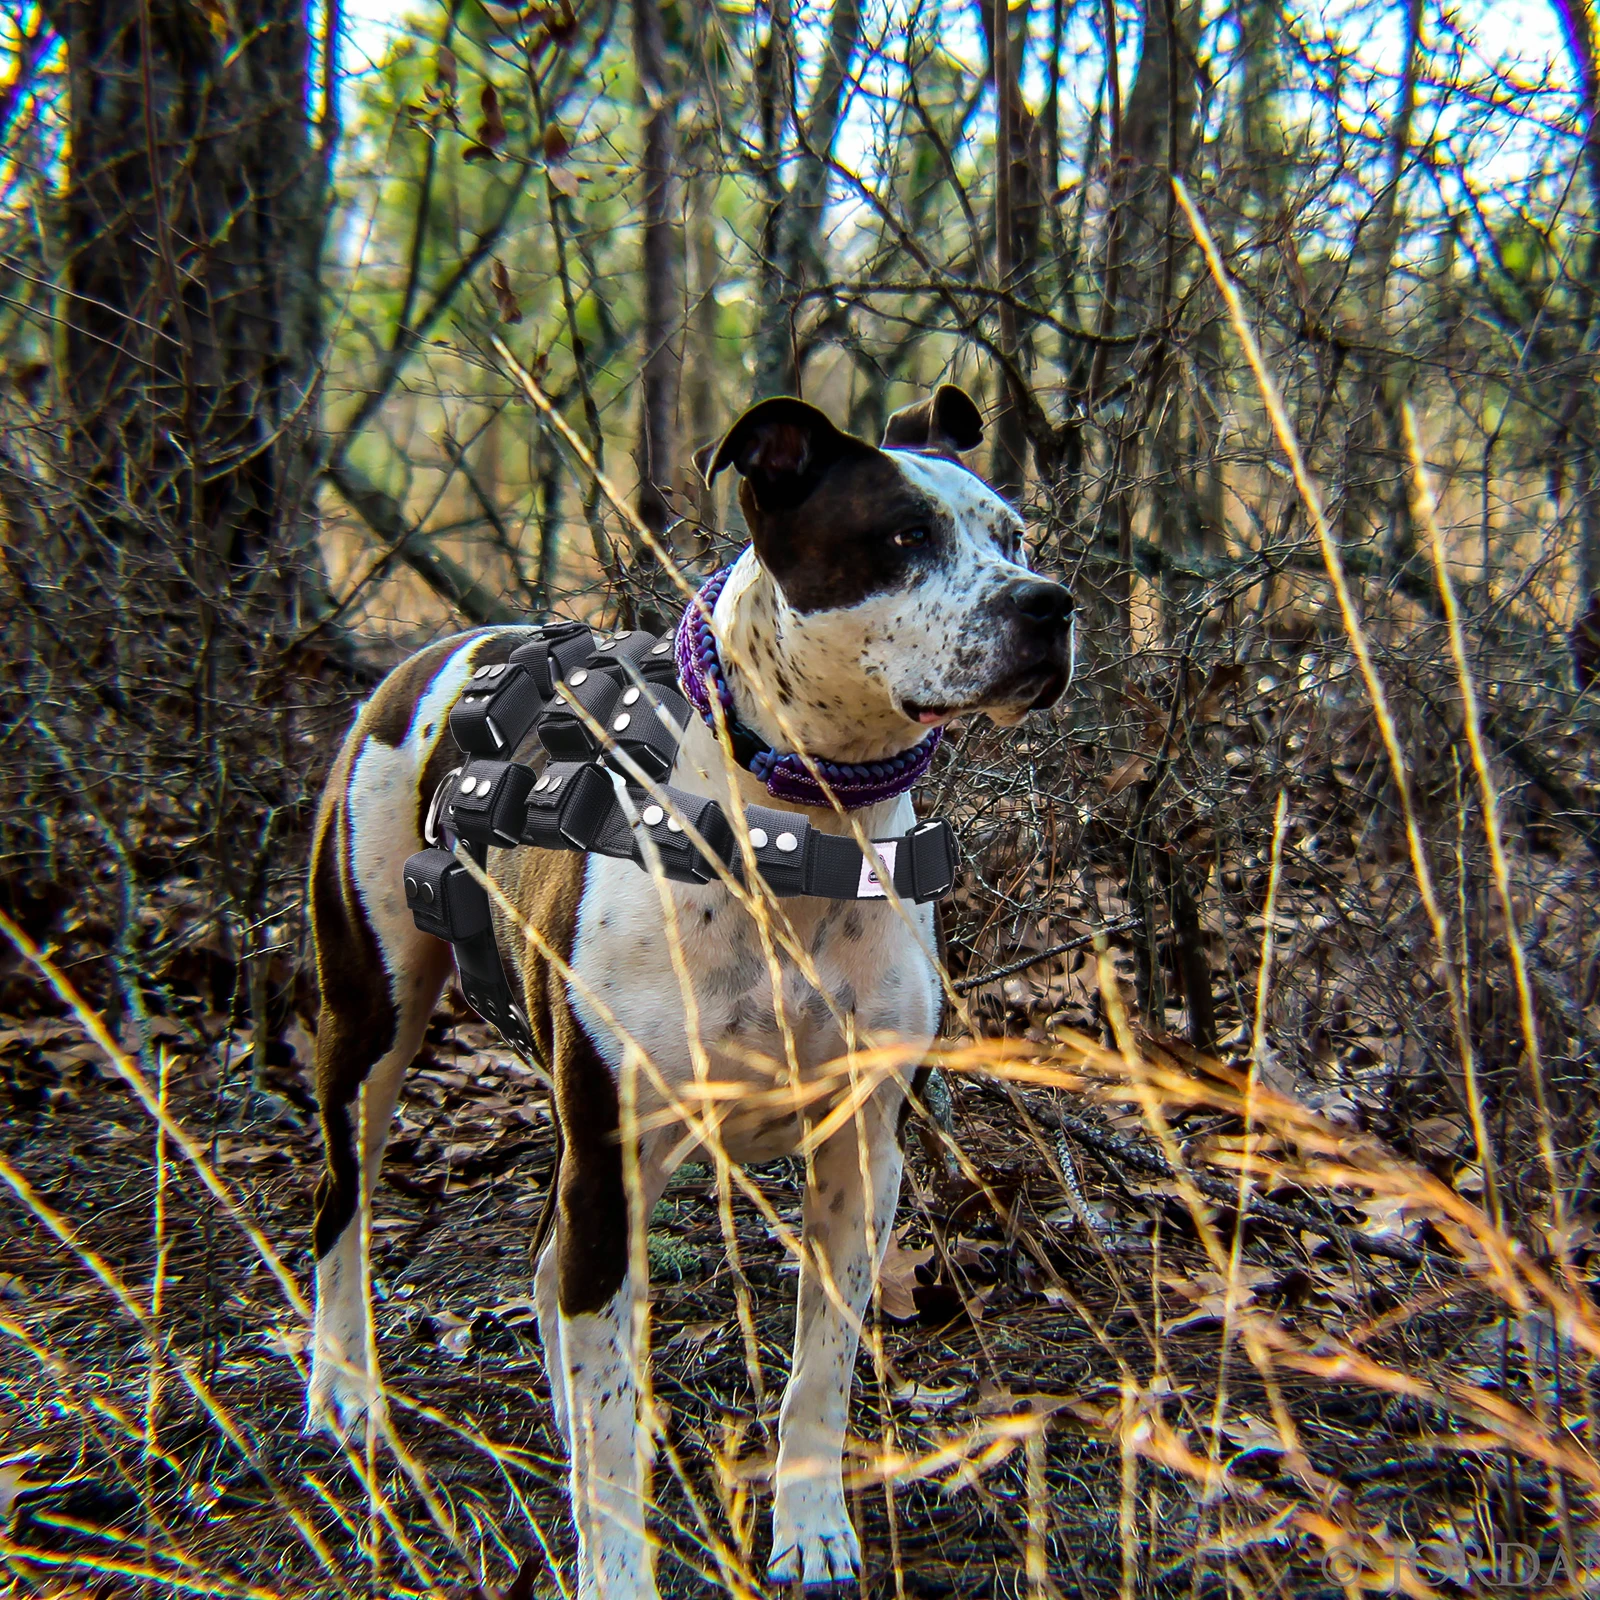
x=1018, y=1351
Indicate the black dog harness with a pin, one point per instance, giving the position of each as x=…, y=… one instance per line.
x=562, y=686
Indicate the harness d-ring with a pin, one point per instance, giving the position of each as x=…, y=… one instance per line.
x=430, y=828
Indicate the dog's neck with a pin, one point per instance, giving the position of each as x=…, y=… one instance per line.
x=806, y=668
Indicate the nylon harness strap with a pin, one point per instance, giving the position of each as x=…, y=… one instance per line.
x=561, y=686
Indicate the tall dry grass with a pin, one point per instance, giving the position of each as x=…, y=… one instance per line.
x=1318, y=1271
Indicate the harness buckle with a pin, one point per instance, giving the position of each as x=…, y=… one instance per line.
x=927, y=868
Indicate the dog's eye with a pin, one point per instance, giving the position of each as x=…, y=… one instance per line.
x=910, y=538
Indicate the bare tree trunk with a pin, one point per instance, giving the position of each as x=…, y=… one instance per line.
x=656, y=455
x=1383, y=445
x=793, y=246
x=702, y=362
x=804, y=251
x=194, y=218
x=1018, y=215
x=1579, y=416
x=774, y=333
x=1150, y=137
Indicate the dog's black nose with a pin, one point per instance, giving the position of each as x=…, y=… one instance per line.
x=1048, y=604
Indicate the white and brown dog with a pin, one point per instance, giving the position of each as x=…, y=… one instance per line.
x=884, y=591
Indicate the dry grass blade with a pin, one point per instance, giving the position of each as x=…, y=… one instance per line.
x=1376, y=694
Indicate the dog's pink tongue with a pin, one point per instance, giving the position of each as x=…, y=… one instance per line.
x=930, y=716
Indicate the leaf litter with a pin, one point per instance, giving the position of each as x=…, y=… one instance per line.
x=995, y=1314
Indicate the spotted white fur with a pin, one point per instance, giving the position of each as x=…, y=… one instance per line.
x=853, y=670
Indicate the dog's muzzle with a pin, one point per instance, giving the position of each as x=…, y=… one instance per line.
x=1044, y=626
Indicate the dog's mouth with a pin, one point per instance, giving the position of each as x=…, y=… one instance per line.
x=1030, y=690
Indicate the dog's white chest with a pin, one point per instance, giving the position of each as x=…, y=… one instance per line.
x=873, y=978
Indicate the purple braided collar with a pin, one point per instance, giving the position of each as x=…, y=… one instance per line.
x=856, y=783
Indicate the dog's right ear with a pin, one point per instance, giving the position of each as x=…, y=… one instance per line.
x=781, y=447
x=947, y=423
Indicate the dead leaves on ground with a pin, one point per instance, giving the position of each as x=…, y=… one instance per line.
x=898, y=1281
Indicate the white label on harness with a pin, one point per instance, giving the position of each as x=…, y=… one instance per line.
x=869, y=888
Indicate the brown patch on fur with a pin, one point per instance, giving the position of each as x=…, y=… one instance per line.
x=590, y=1200
x=545, y=886
x=445, y=756
x=357, y=1021
x=388, y=714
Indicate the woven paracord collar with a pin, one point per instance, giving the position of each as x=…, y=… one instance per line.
x=857, y=784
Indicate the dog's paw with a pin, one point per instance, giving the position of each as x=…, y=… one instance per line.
x=340, y=1401
x=635, y=1582
x=813, y=1542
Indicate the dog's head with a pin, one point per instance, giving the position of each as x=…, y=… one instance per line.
x=895, y=564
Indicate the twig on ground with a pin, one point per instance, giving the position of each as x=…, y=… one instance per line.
x=1081, y=942
x=1144, y=1159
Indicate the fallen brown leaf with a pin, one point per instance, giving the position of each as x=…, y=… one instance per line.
x=1134, y=770
x=897, y=1280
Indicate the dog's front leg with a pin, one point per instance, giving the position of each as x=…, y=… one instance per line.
x=606, y=1447
x=848, y=1214
x=592, y=1360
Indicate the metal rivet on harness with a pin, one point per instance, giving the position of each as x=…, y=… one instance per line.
x=758, y=838
x=579, y=678
x=673, y=825
x=631, y=698
x=786, y=842
x=621, y=724
x=652, y=815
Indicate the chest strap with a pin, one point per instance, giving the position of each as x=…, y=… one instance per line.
x=563, y=685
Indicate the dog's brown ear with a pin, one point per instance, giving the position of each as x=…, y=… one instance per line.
x=947, y=422
x=781, y=447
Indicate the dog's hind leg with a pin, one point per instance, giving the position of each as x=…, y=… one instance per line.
x=380, y=979
x=854, y=1181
